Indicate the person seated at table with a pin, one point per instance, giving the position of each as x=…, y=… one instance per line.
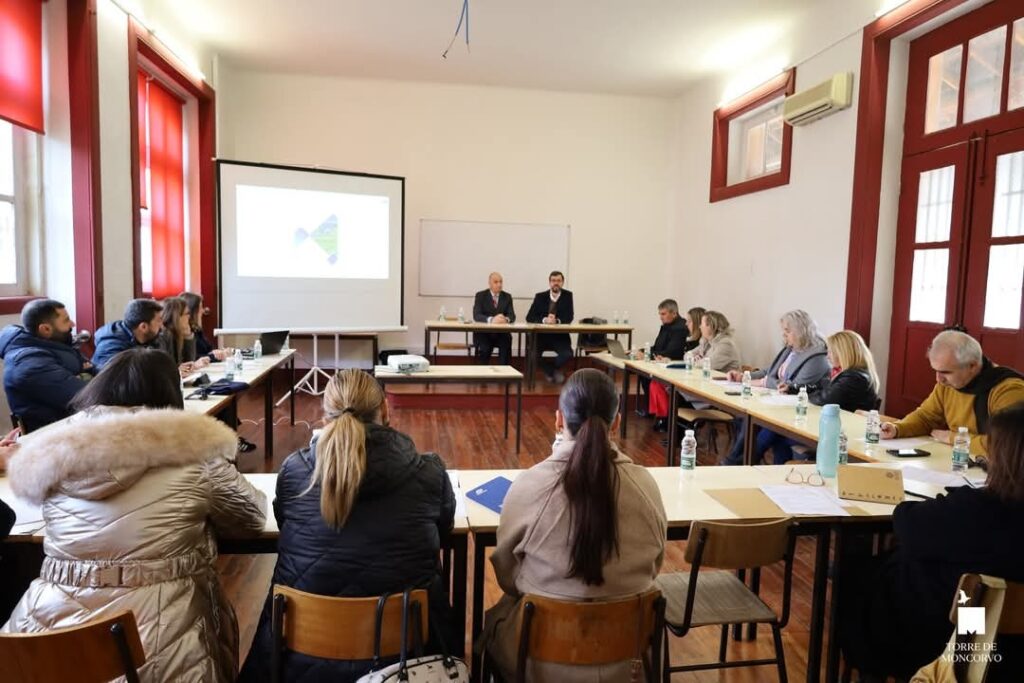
x=672, y=343
x=42, y=368
x=176, y=339
x=852, y=384
x=803, y=361
x=717, y=343
x=585, y=524
x=361, y=513
x=196, y=311
x=140, y=327
x=494, y=307
x=693, y=333
x=894, y=609
x=553, y=306
x=133, y=491
x=968, y=389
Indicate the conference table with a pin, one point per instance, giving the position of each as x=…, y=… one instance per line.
x=530, y=331
x=463, y=374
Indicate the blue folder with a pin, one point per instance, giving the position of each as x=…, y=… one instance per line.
x=490, y=494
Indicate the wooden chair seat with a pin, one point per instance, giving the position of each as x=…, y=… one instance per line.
x=693, y=415
x=721, y=598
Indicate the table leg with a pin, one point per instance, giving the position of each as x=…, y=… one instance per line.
x=268, y=418
x=479, y=557
x=737, y=629
x=460, y=587
x=519, y=414
x=820, y=588
x=508, y=388
x=832, y=653
x=376, y=351
x=673, y=430
x=291, y=382
x=755, y=586
x=426, y=344
x=625, y=403
x=748, y=441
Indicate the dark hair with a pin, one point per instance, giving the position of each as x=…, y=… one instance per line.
x=669, y=305
x=38, y=312
x=138, y=377
x=194, y=304
x=558, y=273
x=140, y=311
x=1006, y=454
x=174, y=306
x=589, y=403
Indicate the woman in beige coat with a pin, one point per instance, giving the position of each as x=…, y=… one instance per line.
x=132, y=490
x=584, y=524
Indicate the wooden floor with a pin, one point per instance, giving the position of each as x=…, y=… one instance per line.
x=472, y=439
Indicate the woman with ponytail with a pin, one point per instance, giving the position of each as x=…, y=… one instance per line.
x=361, y=513
x=584, y=524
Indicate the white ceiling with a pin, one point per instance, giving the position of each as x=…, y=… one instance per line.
x=642, y=47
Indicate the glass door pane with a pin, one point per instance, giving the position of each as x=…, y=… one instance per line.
x=1002, y=295
x=928, y=285
x=935, y=205
x=943, y=89
x=1016, y=99
x=1008, y=208
x=984, y=83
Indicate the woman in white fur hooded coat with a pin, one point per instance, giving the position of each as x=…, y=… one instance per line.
x=133, y=490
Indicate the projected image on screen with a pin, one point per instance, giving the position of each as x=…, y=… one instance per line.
x=290, y=233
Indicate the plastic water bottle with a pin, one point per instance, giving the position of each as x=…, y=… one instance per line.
x=844, y=450
x=625, y=318
x=688, y=451
x=748, y=391
x=828, y=440
x=238, y=360
x=462, y=315
x=229, y=368
x=257, y=350
x=873, y=428
x=801, y=404
x=688, y=361
x=961, y=450
x=647, y=351
x=705, y=367
x=443, y=314
x=615, y=317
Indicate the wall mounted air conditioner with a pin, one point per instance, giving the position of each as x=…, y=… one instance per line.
x=824, y=99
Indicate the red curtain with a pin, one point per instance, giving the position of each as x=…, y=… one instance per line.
x=166, y=196
x=21, y=63
x=143, y=88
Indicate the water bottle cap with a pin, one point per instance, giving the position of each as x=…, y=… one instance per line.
x=962, y=430
x=689, y=432
x=831, y=409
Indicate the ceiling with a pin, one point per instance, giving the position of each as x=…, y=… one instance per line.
x=641, y=47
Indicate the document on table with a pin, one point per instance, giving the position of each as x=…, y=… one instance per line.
x=727, y=384
x=944, y=479
x=802, y=499
x=779, y=399
x=897, y=444
x=460, y=497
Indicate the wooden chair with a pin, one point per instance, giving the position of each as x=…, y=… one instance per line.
x=707, y=418
x=719, y=598
x=1004, y=608
x=590, y=633
x=339, y=628
x=465, y=345
x=100, y=650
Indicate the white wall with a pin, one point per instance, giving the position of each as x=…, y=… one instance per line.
x=599, y=163
x=756, y=256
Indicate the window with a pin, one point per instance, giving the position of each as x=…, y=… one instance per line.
x=13, y=234
x=750, y=142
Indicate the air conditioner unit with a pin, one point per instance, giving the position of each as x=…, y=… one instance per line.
x=824, y=99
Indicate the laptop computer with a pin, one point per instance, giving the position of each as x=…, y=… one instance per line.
x=273, y=341
x=615, y=348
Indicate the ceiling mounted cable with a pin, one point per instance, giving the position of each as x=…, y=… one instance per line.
x=463, y=18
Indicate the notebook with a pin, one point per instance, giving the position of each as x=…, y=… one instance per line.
x=490, y=494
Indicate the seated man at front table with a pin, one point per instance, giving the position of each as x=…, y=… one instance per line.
x=42, y=370
x=141, y=326
x=494, y=307
x=968, y=390
x=553, y=306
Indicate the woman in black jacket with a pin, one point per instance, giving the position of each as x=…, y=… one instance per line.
x=852, y=385
x=894, y=609
x=361, y=513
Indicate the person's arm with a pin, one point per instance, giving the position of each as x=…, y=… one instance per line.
x=479, y=315
x=511, y=315
x=811, y=371
x=47, y=382
x=724, y=355
x=7, y=520
x=675, y=344
x=928, y=416
x=568, y=314
x=237, y=508
x=518, y=513
x=446, y=522
x=538, y=311
x=921, y=527
x=1003, y=395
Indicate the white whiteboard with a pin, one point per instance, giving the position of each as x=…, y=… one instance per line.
x=457, y=256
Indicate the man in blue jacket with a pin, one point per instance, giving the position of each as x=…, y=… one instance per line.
x=141, y=326
x=42, y=370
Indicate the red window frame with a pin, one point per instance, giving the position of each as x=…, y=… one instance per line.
x=783, y=84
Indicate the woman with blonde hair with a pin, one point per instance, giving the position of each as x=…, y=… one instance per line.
x=361, y=513
x=717, y=343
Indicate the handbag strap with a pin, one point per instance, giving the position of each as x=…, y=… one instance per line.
x=377, y=628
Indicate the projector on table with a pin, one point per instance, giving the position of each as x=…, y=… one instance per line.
x=408, y=363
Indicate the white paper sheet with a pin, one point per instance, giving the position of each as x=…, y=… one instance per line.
x=803, y=499
x=460, y=498
x=726, y=384
x=940, y=478
x=779, y=399
x=896, y=444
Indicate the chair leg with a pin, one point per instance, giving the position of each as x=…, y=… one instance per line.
x=723, y=643
x=666, y=675
x=780, y=653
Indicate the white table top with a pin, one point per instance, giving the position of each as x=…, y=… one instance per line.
x=452, y=372
x=470, y=325
x=310, y=330
x=608, y=359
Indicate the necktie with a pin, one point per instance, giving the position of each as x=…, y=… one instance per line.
x=495, y=299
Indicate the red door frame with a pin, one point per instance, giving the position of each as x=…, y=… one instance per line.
x=141, y=41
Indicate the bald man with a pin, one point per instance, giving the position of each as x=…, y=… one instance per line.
x=494, y=307
x=969, y=388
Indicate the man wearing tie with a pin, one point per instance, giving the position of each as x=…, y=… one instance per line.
x=494, y=307
x=553, y=306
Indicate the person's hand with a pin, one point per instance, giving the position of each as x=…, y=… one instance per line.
x=185, y=369
x=8, y=447
x=888, y=430
x=499, y=320
x=550, y=319
x=221, y=354
x=200, y=363
x=783, y=388
x=734, y=375
x=657, y=357
x=942, y=435
x=86, y=366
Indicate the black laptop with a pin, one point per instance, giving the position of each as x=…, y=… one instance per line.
x=272, y=342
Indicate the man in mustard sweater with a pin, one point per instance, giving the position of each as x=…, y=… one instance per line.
x=968, y=389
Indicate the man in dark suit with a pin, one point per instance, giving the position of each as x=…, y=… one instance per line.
x=494, y=307
x=553, y=306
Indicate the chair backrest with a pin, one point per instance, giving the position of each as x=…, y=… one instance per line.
x=739, y=545
x=343, y=628
x=583, y=633
x=1002, y=604
x=98, y=651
